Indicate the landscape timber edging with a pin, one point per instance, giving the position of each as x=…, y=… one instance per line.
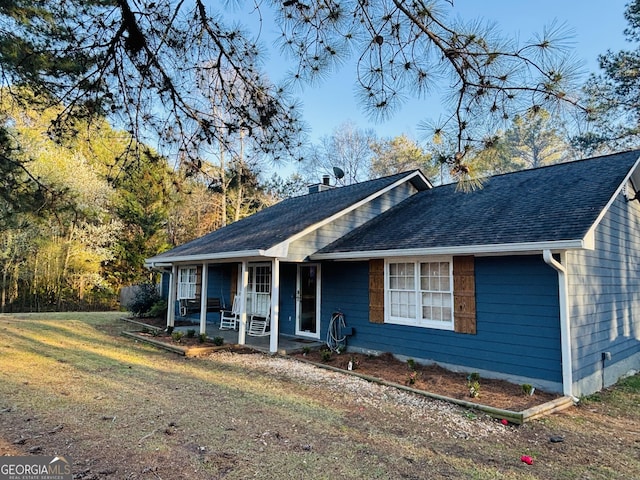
x=186, y=351
x=517, y=418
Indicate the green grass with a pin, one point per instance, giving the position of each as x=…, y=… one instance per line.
x=623, y=399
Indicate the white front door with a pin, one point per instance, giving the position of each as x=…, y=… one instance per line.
x=308, y=301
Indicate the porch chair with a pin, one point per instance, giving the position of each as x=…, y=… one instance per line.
x=230, y=319
x=259, y=324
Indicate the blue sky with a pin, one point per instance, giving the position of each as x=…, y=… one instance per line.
x=596, y=26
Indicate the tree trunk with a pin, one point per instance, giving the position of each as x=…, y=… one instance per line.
x=240, y=171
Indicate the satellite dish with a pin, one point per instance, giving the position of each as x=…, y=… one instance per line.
x=338, y=172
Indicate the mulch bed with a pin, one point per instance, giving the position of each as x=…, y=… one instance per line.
x=434, y=379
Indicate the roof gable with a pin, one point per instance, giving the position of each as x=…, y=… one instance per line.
x=283, y=221
x=558, y=203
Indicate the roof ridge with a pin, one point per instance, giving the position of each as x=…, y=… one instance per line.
x=542, y=167
x=364, y=182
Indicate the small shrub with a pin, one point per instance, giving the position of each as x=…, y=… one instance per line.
x=528, y=389
x=191, y=333
x=177, y=336
x=146, y=296
x=473, y=383
x=411, y=364
x=158, y=309
x=306, y=350
x=202, y=337
x=326, y=355
x=218, y=341
x=474, y=389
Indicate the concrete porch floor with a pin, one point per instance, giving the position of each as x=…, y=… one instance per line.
x=287, y=344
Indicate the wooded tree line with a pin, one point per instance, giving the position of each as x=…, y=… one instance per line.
x=93, y=236
x=83, y=203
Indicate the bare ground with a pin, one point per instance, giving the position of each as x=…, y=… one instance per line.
x=70, y=385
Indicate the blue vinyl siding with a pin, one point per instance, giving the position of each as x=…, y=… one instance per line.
x=517, y=319
x=604, y=296
x=165, y=279
x=288, y=272
x=219, y=283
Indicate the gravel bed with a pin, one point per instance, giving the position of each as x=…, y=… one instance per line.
x=454, y=420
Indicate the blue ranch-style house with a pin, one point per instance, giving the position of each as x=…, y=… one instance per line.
x=533, y=278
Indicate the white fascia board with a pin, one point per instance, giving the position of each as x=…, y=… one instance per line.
x=165, y=261
x=604, y=211
x=284, y=246
x=497, y=249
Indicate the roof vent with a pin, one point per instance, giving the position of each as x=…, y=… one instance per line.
x=326, y=179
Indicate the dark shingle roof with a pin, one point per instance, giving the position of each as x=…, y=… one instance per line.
x=555, y=203
x=276, y=224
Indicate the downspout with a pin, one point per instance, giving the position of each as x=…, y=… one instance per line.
x=565, y=324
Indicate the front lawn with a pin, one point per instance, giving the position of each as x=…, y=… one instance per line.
x=70, y=384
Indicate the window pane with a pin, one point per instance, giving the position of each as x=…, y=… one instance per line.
x=401, y=276
x=402, y=304
x=435, y=284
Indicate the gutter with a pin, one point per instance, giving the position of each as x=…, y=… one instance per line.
x=565, y=323
x=529, y=248
x=161, y=260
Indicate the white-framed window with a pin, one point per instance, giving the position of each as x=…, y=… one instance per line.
x=419, y=292
x=259, y=289
x=187, y=278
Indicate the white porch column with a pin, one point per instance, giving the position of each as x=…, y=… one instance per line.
x=203, y=298
x=171, y=301
x=275, y=305
x=244, y=272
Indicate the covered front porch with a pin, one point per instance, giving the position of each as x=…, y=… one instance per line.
x=284, y=296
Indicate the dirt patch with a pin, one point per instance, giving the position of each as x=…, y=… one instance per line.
x=434, y=379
